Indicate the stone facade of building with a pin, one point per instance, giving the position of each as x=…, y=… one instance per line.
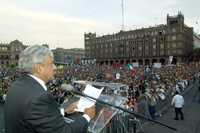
x=145, y=45
x=9, y=53
x=68, y=56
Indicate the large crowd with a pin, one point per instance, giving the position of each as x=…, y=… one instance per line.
x=147, y=85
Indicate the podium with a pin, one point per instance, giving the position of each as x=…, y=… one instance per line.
x=104, y=113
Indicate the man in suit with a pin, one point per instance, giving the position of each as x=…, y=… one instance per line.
x=29, y=107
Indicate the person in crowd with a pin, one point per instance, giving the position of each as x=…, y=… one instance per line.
x=152, y=103
x=178, y=103
x=30, y=107
x=143, y=104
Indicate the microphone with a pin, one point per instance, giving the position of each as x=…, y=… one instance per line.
x=70, y=88
x=67, y=87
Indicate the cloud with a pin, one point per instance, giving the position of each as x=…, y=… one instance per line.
x=52, y=21
x=42, y=27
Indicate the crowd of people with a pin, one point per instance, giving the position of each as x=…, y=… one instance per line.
x=37, y=85
x=147, y=85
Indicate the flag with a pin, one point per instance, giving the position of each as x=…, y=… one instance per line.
x=133, y=73
x=130, y=66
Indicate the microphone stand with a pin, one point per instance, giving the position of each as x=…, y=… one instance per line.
x=125, y=110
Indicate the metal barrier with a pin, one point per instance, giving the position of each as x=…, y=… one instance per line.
x=123, y=123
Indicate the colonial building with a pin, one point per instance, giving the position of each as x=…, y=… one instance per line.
x=9, y=53
x=145, y=45
x=196, y=39
x=68, y=56
x=195, y=57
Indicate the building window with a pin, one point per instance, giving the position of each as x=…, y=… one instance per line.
x=173, y=30
x=179, y=45
x=116, y=50
x=4, y=48
x=87, y=48
x=168, y=38
x=162, y=52
x=161, y=46
x=174, y=45
x=7, y=57
x=174, y=37
x=106, y=45
x=154, y=46
x=146, y=52
x=174, y=51
x=106, y=50
x=154, y=39
x=140, y=53
x=154, y=53
x=180, y=37
x=179, y=51
x=169, y=52
x=168, y=45
x=160, y=33
x=127, y=49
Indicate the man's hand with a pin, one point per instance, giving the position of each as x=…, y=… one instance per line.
x=91, y=112
x=71, y=108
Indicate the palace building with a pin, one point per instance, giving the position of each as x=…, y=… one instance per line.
x=145, y=45
x=9, y=53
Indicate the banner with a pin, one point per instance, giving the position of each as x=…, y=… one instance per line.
x=157, y=65
x=170, y=59
x=135, y=64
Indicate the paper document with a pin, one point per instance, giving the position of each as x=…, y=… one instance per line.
x=86, y=102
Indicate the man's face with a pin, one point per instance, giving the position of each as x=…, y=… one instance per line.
x=47, y=69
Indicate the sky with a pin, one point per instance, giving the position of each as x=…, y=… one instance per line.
x=62, y=23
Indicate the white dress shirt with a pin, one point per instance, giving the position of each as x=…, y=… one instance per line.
x=178, y=101
x=41, y=82
x=62, y=111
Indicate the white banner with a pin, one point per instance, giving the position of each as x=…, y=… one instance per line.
x=135, y=64
x=157, y=65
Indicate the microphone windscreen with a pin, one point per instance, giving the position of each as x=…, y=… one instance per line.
x=67, y=87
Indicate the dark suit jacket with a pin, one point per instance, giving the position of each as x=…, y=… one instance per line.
x=31, y=109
